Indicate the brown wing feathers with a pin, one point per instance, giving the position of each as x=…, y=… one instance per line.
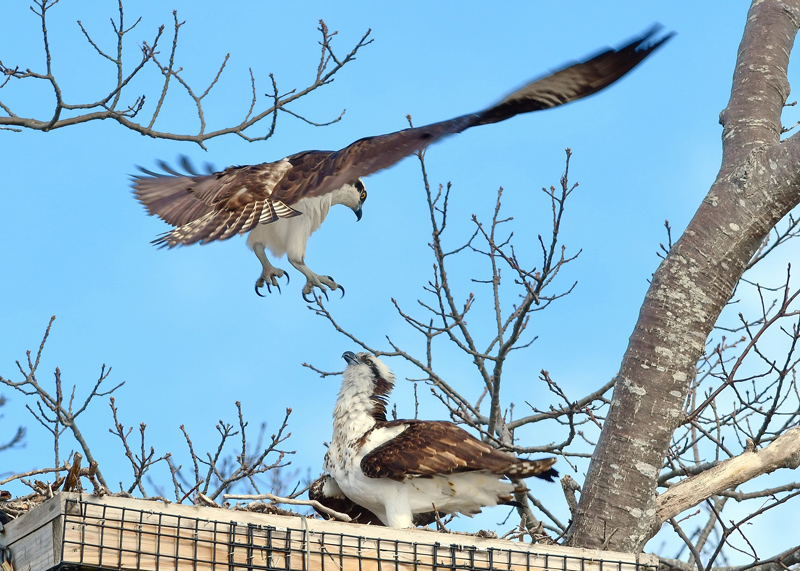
x=213, y=206
x=576, y=81
x=427, y=448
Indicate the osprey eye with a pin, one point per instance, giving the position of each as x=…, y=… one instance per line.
x=368, y=361
x=363, y=195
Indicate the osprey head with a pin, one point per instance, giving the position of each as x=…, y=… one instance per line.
x=368, y=364
x=351, y=194
x=362, y=197
x=367, y=376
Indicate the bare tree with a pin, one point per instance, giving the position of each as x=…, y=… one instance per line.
x=235, y=464
x=134, y=111
x=756, y=188
x=52, y=411
x=717, y=447
x=705, y=400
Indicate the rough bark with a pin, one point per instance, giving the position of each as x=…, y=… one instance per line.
x=757, y=185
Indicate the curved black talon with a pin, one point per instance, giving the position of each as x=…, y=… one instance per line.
x=269, y=290
x=306, y=299
x=337, y=285
x=258, y=293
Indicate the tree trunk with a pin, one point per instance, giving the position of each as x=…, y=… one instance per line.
x=757, y=186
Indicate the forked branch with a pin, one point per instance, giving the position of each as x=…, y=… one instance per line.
x=118, y=104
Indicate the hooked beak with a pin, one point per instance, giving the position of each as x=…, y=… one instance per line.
x=357, y=212
x=350, y=357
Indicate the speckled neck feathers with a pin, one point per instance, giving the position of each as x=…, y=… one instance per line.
x=380, y=397
x=365, y=390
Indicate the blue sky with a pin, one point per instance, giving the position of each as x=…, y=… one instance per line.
x=183, y=328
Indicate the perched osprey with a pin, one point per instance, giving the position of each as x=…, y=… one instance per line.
x=282, y=203
x=400, y=468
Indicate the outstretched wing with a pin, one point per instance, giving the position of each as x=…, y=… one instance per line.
x=214, y=206
x=429, y=448
x=576, y=80
x=573, y=82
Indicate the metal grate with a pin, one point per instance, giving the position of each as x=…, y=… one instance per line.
x=101, y=536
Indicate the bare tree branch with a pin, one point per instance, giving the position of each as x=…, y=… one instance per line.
x=291, y=501
x=784, y=452
x=63, y=416
x=110, y=105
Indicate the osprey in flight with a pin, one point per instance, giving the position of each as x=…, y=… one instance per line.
x=403, y=470
x=282, y=203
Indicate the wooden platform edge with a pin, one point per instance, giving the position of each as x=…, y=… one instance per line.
x=47, y=519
